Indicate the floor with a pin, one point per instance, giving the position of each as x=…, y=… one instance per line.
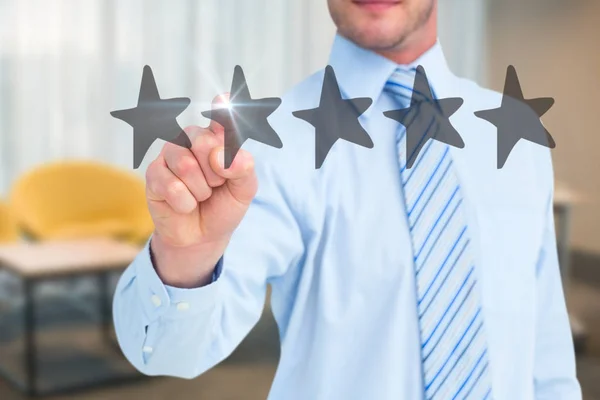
x=248, y=373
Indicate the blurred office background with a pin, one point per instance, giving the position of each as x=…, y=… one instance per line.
x=65, y=64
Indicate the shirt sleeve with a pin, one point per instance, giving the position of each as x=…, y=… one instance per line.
x=554, y=367
x=164, y=330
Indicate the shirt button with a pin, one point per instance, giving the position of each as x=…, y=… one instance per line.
x=147, y=349
x=183, y=306
x=156, y=300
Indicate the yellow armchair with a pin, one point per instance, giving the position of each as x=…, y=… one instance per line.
x=8, y=225
x=78, y=199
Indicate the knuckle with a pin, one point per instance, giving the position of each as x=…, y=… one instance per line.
x=204, y=141
x=174, y=189
x=170, y=149
x=184, y=166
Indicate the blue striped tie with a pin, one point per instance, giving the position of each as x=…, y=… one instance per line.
x=453, y=345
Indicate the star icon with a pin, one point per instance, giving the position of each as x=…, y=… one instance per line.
x=517, y=118
x=245, y=118
x=335, y=118
x=426, y=118
x=153, y=118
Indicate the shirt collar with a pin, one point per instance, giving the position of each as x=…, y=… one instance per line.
x=363, y=73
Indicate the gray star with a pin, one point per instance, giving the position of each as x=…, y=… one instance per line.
x=153, y=118
x=426, y=118
x=245, y=118
x=335, y=118
x=517, y=118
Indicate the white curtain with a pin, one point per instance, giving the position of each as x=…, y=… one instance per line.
x=65, y=64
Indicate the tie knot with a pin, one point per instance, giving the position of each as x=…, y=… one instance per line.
x=401, y=84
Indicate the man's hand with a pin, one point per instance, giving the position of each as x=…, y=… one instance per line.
x=196, y=204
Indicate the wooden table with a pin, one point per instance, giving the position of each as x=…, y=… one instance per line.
x=43, y=261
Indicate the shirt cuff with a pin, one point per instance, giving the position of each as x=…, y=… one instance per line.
x=160, y=300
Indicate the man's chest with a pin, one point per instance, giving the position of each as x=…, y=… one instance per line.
x=361, y=259
x=358, y=274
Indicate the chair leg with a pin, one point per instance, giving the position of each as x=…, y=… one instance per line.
x=30, y=345
x=105, y=306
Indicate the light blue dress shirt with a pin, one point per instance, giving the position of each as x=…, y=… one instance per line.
x=335, y=246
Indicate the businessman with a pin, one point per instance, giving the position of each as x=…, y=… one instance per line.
x=438, y=281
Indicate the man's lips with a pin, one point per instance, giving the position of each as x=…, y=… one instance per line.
x=376, y=5
x=376, y=1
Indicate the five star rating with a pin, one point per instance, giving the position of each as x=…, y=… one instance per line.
x=335, y=118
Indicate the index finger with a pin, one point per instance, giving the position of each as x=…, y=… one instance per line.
x=219, y=101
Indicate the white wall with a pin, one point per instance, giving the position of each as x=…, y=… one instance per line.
x=463, y=33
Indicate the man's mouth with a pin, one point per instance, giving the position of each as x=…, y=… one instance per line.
x=376, y=5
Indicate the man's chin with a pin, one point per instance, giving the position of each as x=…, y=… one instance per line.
x=377, y=41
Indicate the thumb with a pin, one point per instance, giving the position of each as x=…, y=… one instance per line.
x=240, y=177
